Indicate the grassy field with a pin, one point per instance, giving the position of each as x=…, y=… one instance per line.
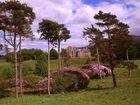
x=30, y=65
x=99, y=92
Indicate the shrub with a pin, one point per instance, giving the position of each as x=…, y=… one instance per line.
x=4, y=84
x=70, y=79
x=41, y=66
x=6, y=71
x=95, y=70
x=28, y=67
x=66, y=82
x=53, y=54
x=42, y=86
x=32, y=80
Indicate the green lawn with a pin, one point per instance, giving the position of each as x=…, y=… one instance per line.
x=99, y=92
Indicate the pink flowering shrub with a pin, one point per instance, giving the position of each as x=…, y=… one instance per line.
x=42, y=85
x=95, y=70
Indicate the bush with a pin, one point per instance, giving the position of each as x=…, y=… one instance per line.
x=32, y=80
x=28, y=67
x=6, y=71
x=42, y=86
x=4, y=84
x=70, y=79
x=41, y=66
x=53, y=54
x=66, y=82
x=95, y=70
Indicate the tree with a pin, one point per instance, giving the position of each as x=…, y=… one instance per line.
x=48, y=29
x=108, y=22
x=122, y=37
x=95, y=36
x=16, y=17
x=53, y=54
x=63, y=35
x=24, y=33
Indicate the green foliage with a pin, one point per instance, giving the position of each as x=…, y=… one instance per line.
x=26, y=54
x=53, y=54
x=6, y=71
x=48, y=30
x=66, y=57
x=9, y=57
x=71, y=80
x=66, y=82
x=32, y=80
x=134, y=51
x=41, y=66
x=3, y=86
x=28, y=67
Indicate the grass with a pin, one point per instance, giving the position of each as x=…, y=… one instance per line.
x=99, y=92
x=31, y=64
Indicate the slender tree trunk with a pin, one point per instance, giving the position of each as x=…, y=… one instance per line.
x=20, y=68
x=113, y=77
x=15, y=65
x=5, y=41
x=59, y=57
x=111, y=61
x=98, y=60
x=16, y=72
x=127, y=55
x=49, y=73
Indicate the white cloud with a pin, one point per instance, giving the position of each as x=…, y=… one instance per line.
x=76, y=15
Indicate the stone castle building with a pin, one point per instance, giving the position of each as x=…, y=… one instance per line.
x=78, y=52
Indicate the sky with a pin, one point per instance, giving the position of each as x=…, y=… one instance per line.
x=77, y=14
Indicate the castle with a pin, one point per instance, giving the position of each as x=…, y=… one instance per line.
x=78, y=52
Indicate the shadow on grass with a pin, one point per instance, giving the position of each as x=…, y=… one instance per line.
x=99, y=88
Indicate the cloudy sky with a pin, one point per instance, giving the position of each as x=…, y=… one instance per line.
x=77, y=14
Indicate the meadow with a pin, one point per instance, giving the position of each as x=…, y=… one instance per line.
x=99, y=92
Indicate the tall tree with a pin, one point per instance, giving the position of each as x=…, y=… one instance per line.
x=48, y=30
x=63, y=35
x=15, y=17
x=122, y=38
x=95, y=36
x=108, y=22
x=25, y=32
